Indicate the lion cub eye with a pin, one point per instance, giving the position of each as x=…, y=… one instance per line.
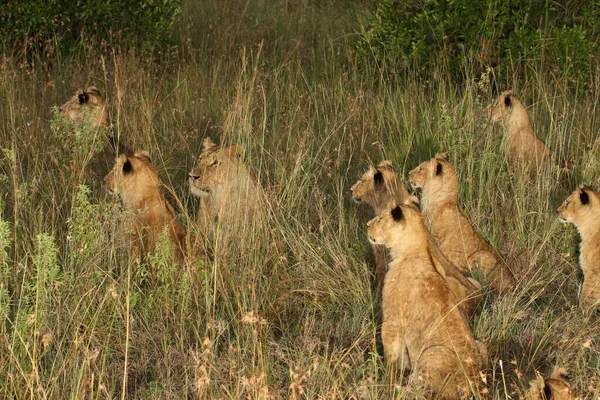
x=214, y=163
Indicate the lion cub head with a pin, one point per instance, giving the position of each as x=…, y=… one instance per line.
x=216, y=167
x=557, y=387
x=437, y=180
x=378, y=186
x=508, y=110
x=581, y=208
x=399, y=227
x=86, y=106
x=133, y=178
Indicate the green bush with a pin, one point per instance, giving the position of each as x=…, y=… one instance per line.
x=47, y=26
x=489, y=33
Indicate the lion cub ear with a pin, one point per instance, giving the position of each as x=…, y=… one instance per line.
x=508, y=99
x=584, y=197
x=413, y=201
x=93, y=90
x=143, y=154
x=207, y=143
x=378, y=177
x=236, y=151
x=397, y=213
x=127, y=167
x=441, y=156
x=385, y=164
x=438, y=168
x=83, y=97
x=560, y=374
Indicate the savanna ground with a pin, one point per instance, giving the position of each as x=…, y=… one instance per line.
x=290, y=313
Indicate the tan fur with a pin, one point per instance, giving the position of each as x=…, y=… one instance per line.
x=378, y=193
x=453, y=233
x=586, y=218
x=221, y=177
x=87, y=106
x=557, y=387
x=522, y=147
x=135, y=181
x=423, y=328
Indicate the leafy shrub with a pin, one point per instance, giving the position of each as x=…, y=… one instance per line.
x=85, y=226
x=427, y=33
x=44, y=26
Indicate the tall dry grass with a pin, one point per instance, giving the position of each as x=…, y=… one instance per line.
x=291, y=313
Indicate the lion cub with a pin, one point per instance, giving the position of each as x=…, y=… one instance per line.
x=135, y=181
x=451, y=230
x=86, y=106
x=377, y=187
x=221, y=177
x=557, y=387
x=582, y=209
x=422, y=327
x=522, y=148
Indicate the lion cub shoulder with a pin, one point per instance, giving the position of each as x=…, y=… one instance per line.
x=582, y=209
x=135, y=181
x=422, y=327
x=453, y=233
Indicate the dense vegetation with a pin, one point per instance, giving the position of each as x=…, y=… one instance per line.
x=49, y=28
x=291, y=312
x=471, y=36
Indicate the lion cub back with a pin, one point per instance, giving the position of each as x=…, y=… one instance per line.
x=454, y=234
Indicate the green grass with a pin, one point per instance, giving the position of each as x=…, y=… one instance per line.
x=291, y=312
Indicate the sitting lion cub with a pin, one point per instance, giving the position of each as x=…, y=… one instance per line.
x=557, y=387
x=135, y=181
x=582, y=209
x=451, y=230
x=522, y=148
x=221, y=177
x=422, y=327
x=377, y=187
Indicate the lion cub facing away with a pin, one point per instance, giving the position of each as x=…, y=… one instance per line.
x=222, y=178
x=451, y=230
x=582, y=209
x=422, y=327
x=135, y=181
x=377, y=187
x=557, y=387
x=522, y=148
x=86, y=106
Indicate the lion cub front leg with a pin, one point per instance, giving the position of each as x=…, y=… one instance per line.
x=380, y=268
x=395, y=350
x=590, y=292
